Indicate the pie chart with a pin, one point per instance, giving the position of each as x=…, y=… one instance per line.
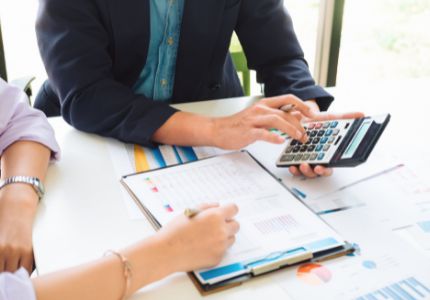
x=314, y=274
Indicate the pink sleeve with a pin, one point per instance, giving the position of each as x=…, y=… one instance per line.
x=19, y=121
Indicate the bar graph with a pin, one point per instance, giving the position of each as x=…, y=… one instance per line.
x=408, y=289
x=140, y=160
x=285, y=223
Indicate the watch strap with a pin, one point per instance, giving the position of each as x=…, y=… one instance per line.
x=33, y=181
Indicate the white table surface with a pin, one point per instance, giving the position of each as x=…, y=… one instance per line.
x=83, y=213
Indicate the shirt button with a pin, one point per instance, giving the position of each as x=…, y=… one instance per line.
x=170, y=41
x=163, y=82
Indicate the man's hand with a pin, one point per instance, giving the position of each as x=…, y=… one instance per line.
x=248, y=126
x=17, y=206
x=306, y=169
x=253, y=124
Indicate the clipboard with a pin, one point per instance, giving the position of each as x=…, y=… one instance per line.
x=234, y=274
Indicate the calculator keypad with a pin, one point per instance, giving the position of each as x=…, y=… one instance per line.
x=321, y=145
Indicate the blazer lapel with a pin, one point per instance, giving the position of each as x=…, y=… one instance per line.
x=200, y=25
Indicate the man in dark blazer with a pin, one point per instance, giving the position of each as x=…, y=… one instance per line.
x=94, y=52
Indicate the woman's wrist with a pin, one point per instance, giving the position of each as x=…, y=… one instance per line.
x=167, y=253
x=151, y=259
x=19, y=194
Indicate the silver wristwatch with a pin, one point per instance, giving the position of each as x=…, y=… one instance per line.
x=33, y=181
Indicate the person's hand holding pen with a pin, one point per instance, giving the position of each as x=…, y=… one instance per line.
x=200, y=237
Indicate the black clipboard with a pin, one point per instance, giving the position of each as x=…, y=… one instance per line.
x=207, y=289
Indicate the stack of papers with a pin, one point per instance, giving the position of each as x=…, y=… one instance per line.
x=276, y=229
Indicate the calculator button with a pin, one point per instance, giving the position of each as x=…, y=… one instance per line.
x=288, y=157
x=328, y=132
x=298, y=157
x=284, y=158
x=334, y=124
x=326, y=125
x=309, y=142
x=294, y=142
x=331, y=140
x=335, y=132
x=313, y=156
x=315, y=140
x=304, y=148
x=313, y=133
x=321, y=156
x=318, y=148
x=321, y=133
x=289, y=149
x=311, y=126
x=318, y=125
x=311, y=148
x=326, y=147
x=346, y=125
x=323, y=140
x=306, y=156
x=296, y=149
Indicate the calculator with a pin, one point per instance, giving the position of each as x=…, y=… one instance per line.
x=336, y=143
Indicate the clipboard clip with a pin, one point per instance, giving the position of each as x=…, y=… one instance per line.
x=278, y=260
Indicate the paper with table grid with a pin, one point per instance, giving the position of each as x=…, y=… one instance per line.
x=271, y=218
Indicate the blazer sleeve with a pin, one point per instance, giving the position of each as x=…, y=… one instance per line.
x=75, y=47
x=265, y=30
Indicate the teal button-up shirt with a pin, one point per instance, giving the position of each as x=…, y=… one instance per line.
x=157, y=78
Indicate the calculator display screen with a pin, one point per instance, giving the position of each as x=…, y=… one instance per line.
x=361, y=132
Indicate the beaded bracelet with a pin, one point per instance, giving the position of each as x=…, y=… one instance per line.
x=128, y=271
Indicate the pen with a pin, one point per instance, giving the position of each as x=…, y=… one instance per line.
x=191, y=212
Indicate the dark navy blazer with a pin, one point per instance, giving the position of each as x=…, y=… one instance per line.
x=94, y=50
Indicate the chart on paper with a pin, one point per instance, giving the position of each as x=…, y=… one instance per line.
x=129, y=158
x=284, y=223
x=408, y=289
x=180, y=190
x=268, y=213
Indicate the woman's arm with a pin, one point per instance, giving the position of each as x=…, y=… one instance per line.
x=183, y=245
x=18, y=203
